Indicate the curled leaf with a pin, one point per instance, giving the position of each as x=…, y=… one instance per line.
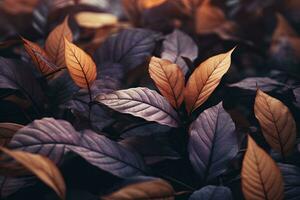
x=55, y=46
x=147, y=190
x=205, y=79
x=80, y=65
x=261, y=178
x=42, y=167
x=141, y=102
x=277, y=123
x=169, y=79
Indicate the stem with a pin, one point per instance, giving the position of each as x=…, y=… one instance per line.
x=54, y=72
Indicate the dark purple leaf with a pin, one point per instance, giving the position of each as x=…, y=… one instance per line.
x=141, y=102
x=213, y=142
x=178, y=45
x=297, y=95
x=291, y=176
x=53, y=138
x=212, y=193
x=130, y=48
x=265, y=83
x=18, y=76
x=10, y=185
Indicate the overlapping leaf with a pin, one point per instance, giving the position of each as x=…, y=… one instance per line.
x=277, y=123
x=42, y=167
x=80, y=65
x=154, y=189
x=178, y=45
x=55, y=46
x=141, y=102
x=261, y=178
x=169, y=79
x=205, y=79
x=212, y=143
x=291, y=176
x=212, y=193
x=7, y=131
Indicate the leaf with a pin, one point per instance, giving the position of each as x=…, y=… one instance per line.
x=261, y=178
x=178, y=45
x=213, y=193
x=264, y=83
x=277, y=123
x=148, y=190
x=296, y=93
x=42, y=167
x=169, y=79
x=10, y=185
x=17, y=76
x=205, y=79
x=80, y=65
x=39, y=57
x=95, y=20
x=55, y=46
x=291, y=176
x=130, y=48
x=147, y=4
x=7, y=131
x=54, y=138
x=141, y=102
x=212, y=143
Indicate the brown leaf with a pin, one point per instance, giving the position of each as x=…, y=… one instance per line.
x=7, y=130
x=205, y=79
x=42, y=167
x=39, y=57
x=211, y=19
x=154, y=190
x=132, y=11
x=261, y=178
x=283, y=28
x=169, y=79
x=95, y=20
x=80, y=65
x=55, y=43
x=17, y=7
x=277, y=123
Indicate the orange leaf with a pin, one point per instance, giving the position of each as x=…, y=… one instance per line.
x=169, y=79
x=55, y=43
x=39, y=57
x=42, y=167
x=147, y=4
x=261, y=178
x=205, y=79
x=277, y=123
x=80, y=65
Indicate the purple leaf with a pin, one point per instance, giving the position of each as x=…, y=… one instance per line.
x=53, y=138
x=213, y=142
x=141, y=102
x=10, y=185
x=291, y=176
x=130, y=48
x=212, y=193
x=17, y=76
x=297, y=95
x=178, y=45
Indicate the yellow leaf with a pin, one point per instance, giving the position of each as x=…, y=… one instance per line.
x=55, y=43
x=169, y=79
x=7, y=130
x=95, y=20
x=277, y=123
x=205, y=79
x=42, y=167
x=154, y=190
x=39, y=57
x=261, y=178
x=80, y=65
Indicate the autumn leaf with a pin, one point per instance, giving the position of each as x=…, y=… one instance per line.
x=261, y=178
x=95, y=20
x=42, y=167
x=154, y=189
x=39, y=57
x=55, y=43
x=147, y=4
x=277, y=123
x=169, y=79
x=80, y=65
x=205, y=79
x=7, y=130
